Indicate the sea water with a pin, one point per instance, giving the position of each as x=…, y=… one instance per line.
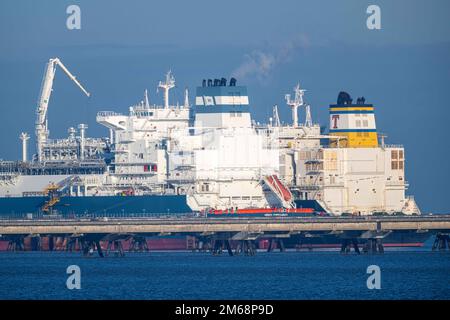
x=418, y=274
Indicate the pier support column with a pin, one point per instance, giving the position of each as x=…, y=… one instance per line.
x=228, y=246
x=355, y=246
x=238, y=249
x=16, y=244
x=281, y=245
x=88, y=247
x=36, y=243
x=279, y=242
x=248, y=247
x=269, y=248
x=347, y=244
x=85, y=248
x=374, y=245
x=71, y=244
x=99, y=249
x=380, y=246
x=116, y=246
x=51, y=243
x=217, y=247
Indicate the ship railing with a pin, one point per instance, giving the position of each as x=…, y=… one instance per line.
x=396, y=183
x=108, y=114
x=94, y=216
x=393, y=146
x=8, y=174
x=18, y=218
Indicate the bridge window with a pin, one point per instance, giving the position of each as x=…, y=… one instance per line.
x=397, y=161
x=394, y=165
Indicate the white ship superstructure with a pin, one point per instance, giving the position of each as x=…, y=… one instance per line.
x=218, y=158
x=142, y=140
x=213, y=155
x=233, y=157
x=352, y=173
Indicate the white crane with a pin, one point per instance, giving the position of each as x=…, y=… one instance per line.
x=42, y=131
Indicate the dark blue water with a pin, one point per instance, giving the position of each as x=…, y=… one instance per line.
x=184, y=275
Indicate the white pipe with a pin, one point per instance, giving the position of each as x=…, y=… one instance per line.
x=111, y=135
x=295, y=116
x=24, y=137
x=82, y=128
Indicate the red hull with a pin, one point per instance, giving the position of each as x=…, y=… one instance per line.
x=182, y=243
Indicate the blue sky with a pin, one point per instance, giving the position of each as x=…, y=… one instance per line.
x=124, y=47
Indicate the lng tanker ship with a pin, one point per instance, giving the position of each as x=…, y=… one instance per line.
x=208, y=158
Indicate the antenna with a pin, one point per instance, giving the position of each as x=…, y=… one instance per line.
x=275, y=116
x=186, y=97
x=294, y=104
x=382, y=137
x=166, y=86
x=146, y=101
x=308, y=120
x=298, y=102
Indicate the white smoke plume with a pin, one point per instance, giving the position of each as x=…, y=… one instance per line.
x=260, y=63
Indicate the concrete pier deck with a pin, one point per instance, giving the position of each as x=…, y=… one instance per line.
x=189, y=225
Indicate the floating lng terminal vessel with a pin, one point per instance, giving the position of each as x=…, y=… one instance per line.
x=209, y=158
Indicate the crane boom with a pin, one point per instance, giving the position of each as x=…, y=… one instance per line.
x=71, y=76
x=42, y=132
